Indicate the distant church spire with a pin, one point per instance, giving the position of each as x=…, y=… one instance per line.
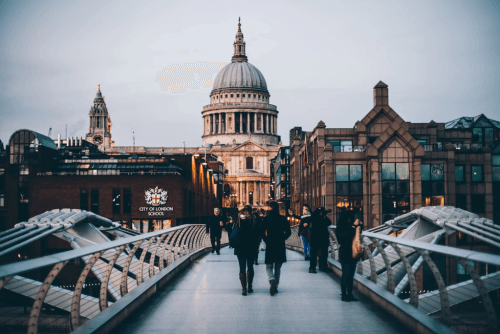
x=239, y=46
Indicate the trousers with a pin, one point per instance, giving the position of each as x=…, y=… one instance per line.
x=346, y=281
x=245, y=262
x=215, y=240
x=307, y=247
x=274, y=274
x=322, y=258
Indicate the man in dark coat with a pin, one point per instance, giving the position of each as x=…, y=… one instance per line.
x=215, y=224
x=319, y=239
x=276, y=230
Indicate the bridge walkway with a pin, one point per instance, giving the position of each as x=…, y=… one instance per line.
x=207, y=298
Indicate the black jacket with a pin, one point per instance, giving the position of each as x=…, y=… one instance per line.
x=249, y=237
x=345, y=235
x=319, y=236
x=304, y=230
x=213, y=225
x=275, y=231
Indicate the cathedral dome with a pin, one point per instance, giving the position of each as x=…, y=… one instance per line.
x=240, y=75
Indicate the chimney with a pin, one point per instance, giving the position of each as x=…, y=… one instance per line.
x=380, y=94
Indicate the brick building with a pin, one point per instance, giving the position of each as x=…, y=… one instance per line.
x=145, y=193
x=383, y=167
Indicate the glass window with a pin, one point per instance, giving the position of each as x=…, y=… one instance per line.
x=127, y=205
x=2, y=200
x=459, y=174
x=84, y=199
x=94, y=201
x=355, y=173
x=437, y=172
x=477, y=203
x=388, y=171
x=495, y=160
x=249, y=161
x=461, y=201
x=342, y=173
x=426, y=172
x=477, y=134
x=488, y=135
x=496, y=174
x=116, y=200
x=402, y=171
x=477, y=173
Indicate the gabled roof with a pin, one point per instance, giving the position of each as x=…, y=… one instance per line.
x=469, y=122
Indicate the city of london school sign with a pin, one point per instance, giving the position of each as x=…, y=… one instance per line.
x=156, y=198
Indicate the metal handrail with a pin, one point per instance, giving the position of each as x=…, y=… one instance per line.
x=395, y=256
x=120, y=266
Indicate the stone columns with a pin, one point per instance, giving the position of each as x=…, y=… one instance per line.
x=240, y=192
x=254, y=122
x=255, y=192
x=213, y=124
x=246, y=193
x=248, y=122
x=241, y=122
x=268, y=123
x=226, y=128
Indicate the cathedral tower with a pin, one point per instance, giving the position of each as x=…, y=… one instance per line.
x=239, y=108
x=100, y=123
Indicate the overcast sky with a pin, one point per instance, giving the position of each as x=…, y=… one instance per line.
x=321, y=59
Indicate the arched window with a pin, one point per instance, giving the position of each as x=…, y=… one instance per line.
x=249, y=163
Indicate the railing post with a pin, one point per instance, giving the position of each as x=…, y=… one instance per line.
x=141, y=260
x=40, y=297
x=373, y=267
x=123, y=285
x=443, y=293
x=390, y=274
x=153, y=256
x=103, y=295
x=485, y=297
x=411, y=275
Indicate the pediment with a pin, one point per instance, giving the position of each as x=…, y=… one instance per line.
x=249, y=146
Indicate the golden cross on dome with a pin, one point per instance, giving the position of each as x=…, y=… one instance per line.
x=98, y=86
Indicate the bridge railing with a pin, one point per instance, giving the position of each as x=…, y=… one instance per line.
x=117, y=268
x=392, y=263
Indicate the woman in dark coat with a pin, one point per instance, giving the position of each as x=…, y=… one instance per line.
x=346, y=230
x=276, y=230
x=247, y=247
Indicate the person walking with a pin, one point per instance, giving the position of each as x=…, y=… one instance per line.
x=246, y=248
x=345, y=232
x=305, y=224
x=258, y=220
x=275, y=231
x=214, y=226
x=319, y=239
x=229, y=227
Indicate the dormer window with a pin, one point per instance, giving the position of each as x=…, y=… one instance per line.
x=242, y=95
x=237, y=95
x=231, y=95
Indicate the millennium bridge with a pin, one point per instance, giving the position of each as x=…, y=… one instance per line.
x=116, y=280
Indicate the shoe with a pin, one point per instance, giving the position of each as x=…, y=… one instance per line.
x=351, y=298
x=272, y=288
x=345, y=298
x=213, y=250
x=250, y=281
x=218, y=253
x=312, y=271
x=276, y=289
x=307, y=258
x=256, y=262
x=243, y=281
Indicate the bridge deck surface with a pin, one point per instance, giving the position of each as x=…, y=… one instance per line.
x=207, y=299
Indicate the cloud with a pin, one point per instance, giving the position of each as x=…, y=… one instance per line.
x=178, y=78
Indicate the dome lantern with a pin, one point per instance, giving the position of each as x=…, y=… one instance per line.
x=239, y=46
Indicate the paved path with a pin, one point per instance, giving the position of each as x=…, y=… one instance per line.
x=207, y=299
